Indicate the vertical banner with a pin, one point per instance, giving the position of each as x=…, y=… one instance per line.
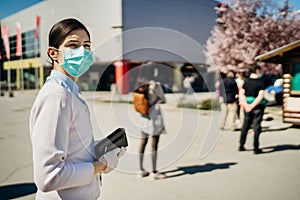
x=36, y=47
x=19, y=40
x=7, y=50
x=6, y=41
x=37, y=28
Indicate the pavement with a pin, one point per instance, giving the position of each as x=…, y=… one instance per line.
x=221, y=173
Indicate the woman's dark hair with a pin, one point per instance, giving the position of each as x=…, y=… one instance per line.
x=62, y=29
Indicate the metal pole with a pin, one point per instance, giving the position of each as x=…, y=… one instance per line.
x=36, y=67
x=8, y=77
x=10, y=93
x=36, y=77
x=22, y=75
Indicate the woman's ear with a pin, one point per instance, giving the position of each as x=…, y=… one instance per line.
x=53, y=54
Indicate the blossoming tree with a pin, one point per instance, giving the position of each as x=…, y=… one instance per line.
x=248, y=28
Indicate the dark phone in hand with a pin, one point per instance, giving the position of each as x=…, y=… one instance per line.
x=116, y=139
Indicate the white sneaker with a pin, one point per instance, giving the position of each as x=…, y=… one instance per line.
x=157, y=176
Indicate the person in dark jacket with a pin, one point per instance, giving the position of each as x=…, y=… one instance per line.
x=252, y=98
x=229, y=92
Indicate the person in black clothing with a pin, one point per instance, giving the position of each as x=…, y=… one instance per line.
x=229, y=91
x=252, y=98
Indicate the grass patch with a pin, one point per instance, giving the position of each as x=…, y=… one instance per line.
x=188, y=105
x=207, y=104
x=210, y=104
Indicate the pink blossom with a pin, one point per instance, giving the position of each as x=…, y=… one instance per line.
x=247, y=29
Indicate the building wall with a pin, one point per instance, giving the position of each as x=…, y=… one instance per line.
x=179, y=29
x=157, y=30
x=182, y=26
x=99, y=16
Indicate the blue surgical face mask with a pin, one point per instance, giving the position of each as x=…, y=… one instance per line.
x=77, y=61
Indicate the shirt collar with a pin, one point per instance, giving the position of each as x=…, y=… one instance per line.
x=64, y=81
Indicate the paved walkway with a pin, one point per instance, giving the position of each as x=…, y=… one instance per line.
x=224, y=173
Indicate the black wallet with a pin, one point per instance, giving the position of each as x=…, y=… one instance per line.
x=116, y=139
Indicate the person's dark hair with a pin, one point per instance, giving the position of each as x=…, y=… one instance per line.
x=222, y=75
x=62, y=29
x=254, y=68
x=229, y=72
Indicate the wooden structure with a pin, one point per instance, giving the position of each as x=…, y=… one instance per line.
x=289, y=57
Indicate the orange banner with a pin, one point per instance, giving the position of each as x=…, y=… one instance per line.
x=37, y=28
x=6, y=41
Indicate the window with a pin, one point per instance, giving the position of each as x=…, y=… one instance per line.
x=30, y=46
x=295, y=86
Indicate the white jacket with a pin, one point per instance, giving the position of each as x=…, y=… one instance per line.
x=62, y=144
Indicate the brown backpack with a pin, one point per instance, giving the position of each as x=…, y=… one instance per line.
x=140, y=99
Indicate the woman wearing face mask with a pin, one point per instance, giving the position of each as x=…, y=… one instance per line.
x=60, y=126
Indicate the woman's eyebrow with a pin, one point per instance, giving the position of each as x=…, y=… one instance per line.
x=72, y=40
x=76, y=40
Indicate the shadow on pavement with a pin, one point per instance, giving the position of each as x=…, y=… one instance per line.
x=180, y=171
x=276, y=128
x=277, y=148
x=17, y=190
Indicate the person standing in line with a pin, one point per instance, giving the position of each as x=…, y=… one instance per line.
x=152, y=126
x=239, y=79
x=187, y=84
x=229, y=91
x=217, y=90
x=217, y=87
x=252, y=99
x=240, y=111
x=60, y=127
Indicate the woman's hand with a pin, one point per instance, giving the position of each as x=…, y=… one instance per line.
x=100, y=166
x=109, y=161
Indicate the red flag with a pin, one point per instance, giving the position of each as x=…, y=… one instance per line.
x=37, y=28
x=19, y=40
x=6, y=41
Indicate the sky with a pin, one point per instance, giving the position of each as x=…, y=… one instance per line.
x=293, y=3
x=8, y=7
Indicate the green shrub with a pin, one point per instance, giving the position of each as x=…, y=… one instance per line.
x=210, y=104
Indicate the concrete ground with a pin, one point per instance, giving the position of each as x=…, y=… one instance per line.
x=200, y=161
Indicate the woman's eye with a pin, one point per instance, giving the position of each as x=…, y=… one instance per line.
x=87, y=46
x=73, y=46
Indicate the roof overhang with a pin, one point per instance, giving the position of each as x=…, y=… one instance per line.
x=280, y=54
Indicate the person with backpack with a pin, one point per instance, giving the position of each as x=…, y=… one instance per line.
x=152, y=125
